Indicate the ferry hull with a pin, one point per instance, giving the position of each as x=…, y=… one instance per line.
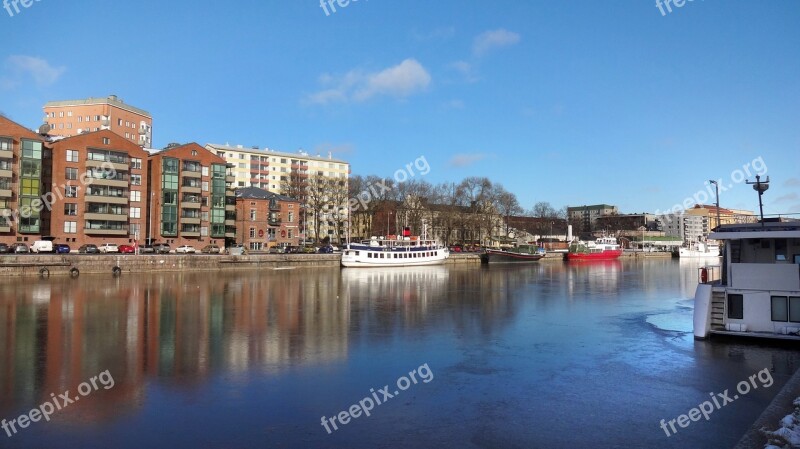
x=605, y=255
x=377, y=263
x=492, y=256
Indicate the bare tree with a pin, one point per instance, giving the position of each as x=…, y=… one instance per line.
x=506, y=204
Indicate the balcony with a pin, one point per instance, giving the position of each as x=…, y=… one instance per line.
x=274, y=221
x=107, y=182
x=190, y=234
x=105, y=217
x=228, y=207
x=230, y=222
x=6, y=154
x=230, y=179
x=191, y=174
x=5, y=193
x=6, y=173
x=190, y=220
x=5, y=227
x=190, y=204
x=105, y=231
x=190, y=189
x=118, y=166
x=106, y=199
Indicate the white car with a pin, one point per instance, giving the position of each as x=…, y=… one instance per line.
x=185, y=249
x=108, y=248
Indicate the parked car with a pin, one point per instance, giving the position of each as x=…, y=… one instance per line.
x=106, y=248
x=328, y=249
x=277, y=250
x=237, y=249
x=88, y=248
x=127, y=249
x=308, y=250
x=42, y=246
x=185, y=249
x=4, y=248
x=20, y=248
x=161, y=248
x=455, y=249
x=292, y=249
x=61, y=248
x=147, y=249
x=210, y=249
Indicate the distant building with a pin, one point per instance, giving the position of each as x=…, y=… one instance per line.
x=587, y=216
x=267, y=169
x=266, y=219
x=690, y=228
x=72, y=117
x=192, y=198
x=726, y=216
x=22, y=156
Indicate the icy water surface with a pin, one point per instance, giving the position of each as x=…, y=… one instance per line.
x=547, y=355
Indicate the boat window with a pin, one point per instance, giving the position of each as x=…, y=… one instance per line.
x=794, y=309
x=358, y=253
x=780, y=250
x=780, y=308
x=369, y=255
x=736, y=307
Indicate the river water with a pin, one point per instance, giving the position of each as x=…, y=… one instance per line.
x=546, y=355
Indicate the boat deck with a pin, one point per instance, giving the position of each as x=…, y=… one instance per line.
x=759, y=335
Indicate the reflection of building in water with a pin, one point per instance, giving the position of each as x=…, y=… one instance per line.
x=61, y=332
x=596, y=276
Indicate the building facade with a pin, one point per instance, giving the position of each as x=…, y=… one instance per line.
x=265, y=219
x=73, y=117
x=22, y=167
x=267, y=169
x=192, y=202
x=97, y=184
x=586, y=216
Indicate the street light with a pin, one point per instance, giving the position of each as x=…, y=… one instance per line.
x=388, y=219
x=716, y=189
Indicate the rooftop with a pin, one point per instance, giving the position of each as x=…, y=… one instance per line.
x=255, y=193
x=266, y=151
x=110, y=100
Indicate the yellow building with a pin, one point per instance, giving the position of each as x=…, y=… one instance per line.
x=726, y=216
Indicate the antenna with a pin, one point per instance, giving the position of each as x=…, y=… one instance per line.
x=760, y=187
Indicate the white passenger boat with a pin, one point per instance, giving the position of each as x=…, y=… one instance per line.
x=394, y=251
x=699, y=249
x=756, y=290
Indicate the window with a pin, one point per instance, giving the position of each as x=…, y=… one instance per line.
x=134, y=229
x=252, y=233
x=71, y=191
x=780, y=308
x=252, y=215
x=136, y=163
x=794, y=309
x=736, y=307
x=204, y=171
x=291, y=218
x=106, y=140
x=70, y=209
x=136, y=212
x=119, y=122
x=136, y=196
x=80, y=119
x=70, y=227
x=72, y=173
x=136, y=180
x=205, y=186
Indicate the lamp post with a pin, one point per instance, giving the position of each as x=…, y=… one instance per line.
x=388, y=219
x=760, y=187
x=716, y=190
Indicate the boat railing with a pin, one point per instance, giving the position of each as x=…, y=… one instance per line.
x=709, y=274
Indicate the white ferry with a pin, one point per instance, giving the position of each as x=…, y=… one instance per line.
x=756, y=290
x=699, y=249
x=394, y=251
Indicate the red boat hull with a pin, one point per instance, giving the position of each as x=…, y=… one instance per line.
x=605, y=255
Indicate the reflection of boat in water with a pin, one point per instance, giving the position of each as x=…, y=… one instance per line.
x=604, y=248
x=520, y=253
x=396, y=275
x=699, y=250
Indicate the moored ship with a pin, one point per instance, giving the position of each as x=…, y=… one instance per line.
x=604, y=248
x=518, y=254
x=394, y=251
x=699, y=250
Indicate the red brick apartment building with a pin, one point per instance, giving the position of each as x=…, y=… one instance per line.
x=265, y=219
x=98, y=188
x=73, y=117
x=192, y=198
x=21, y=169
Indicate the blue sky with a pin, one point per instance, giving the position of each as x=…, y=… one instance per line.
x=574, y=103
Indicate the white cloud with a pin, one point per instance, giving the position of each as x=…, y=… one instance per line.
x=466, y=69
x=399, y=81
x=464, y=160
x=40, y=70
x=490, y=40
x=792, y=182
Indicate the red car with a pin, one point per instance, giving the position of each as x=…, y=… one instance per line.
x=127, y=249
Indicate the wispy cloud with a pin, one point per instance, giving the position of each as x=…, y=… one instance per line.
x=466, y=159
x=466, y=70
x=789, y=197
x=792, y=182
x=399, y=81
x=30, y=67
x=490, y=40
x=438, y=34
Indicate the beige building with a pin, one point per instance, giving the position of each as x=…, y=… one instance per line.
x=72, y=117
x=265, y=168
